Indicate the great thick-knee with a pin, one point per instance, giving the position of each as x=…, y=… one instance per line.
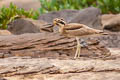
x=76, y=30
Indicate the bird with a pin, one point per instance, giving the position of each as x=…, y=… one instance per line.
x=76, y=30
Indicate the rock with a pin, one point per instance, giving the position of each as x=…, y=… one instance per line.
x=106, y=17
x=27, y=68
x=65, y=14
x=2, y=79
x=5, y=32
x=31, y=26
x=48, y=45
x=89, y=16
x=112, y=41
x=115, y=51
x=24, y=25
x=34, y=4
x=85, y=76
x=70, y=76
x=111, y=22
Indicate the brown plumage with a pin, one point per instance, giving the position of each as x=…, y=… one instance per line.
x=76, y=30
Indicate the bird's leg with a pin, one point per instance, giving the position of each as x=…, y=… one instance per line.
x=79, y=47
x=77, y=54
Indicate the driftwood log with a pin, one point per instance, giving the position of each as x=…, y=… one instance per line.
x=46, y=45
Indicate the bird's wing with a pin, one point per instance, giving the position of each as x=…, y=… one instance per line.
x=81, y=30
x=73, y=26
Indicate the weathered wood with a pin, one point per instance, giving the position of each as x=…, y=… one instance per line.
x=44, y=45
x=25, y=67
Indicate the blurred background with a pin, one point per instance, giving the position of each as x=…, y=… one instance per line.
x=107, y=6
x=12, y=9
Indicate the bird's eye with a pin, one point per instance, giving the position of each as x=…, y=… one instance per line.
x=62, y=19
x=59, y=20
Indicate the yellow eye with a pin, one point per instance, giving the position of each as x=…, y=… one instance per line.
x=58, y=20
x=62, y=19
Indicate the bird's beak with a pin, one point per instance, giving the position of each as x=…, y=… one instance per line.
x=54, y=23
x=48, y=24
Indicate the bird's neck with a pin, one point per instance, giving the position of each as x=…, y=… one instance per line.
x=61, y=28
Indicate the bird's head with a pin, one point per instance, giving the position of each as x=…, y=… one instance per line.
x=59, y=22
